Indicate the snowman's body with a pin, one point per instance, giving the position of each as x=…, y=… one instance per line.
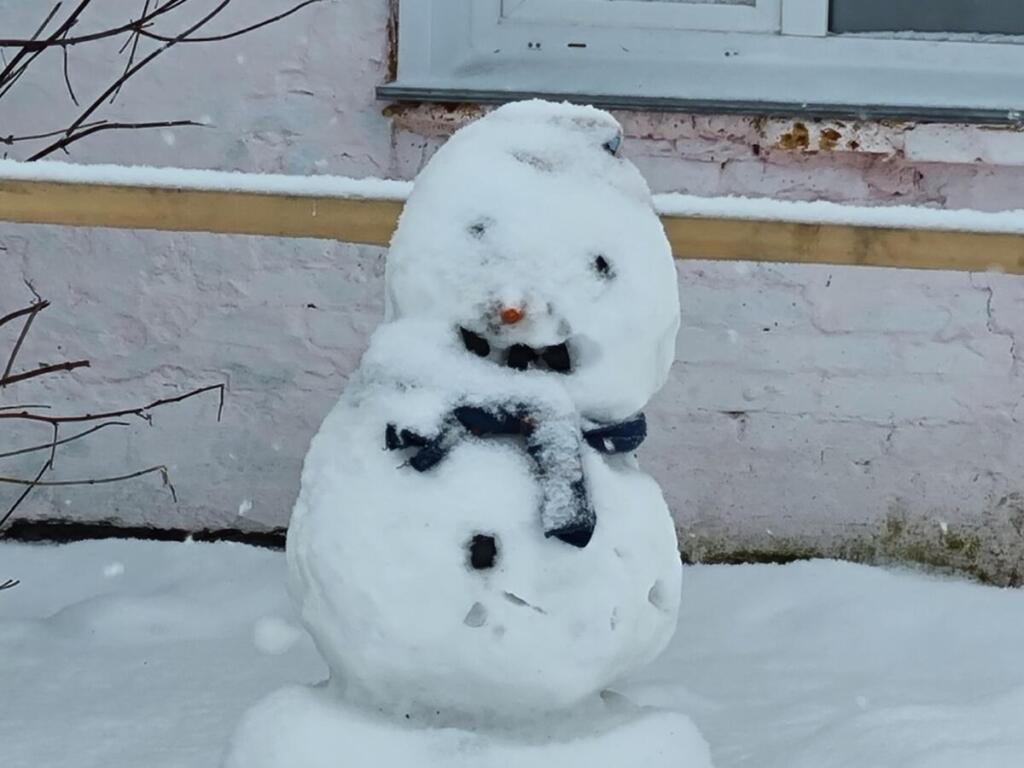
x=381, y=557
x=526, y=243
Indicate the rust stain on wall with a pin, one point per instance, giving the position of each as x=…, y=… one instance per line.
x=797, y=137
x=433, y=119
x=828, y=139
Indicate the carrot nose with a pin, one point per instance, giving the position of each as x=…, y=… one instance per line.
x=511, y=315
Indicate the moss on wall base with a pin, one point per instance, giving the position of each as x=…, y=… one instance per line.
x=991, y=552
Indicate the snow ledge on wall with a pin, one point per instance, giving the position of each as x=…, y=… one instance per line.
x=669, y=204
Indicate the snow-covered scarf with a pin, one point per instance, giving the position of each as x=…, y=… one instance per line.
x=555, y=445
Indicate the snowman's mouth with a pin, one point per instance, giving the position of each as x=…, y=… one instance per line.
x=556, y=358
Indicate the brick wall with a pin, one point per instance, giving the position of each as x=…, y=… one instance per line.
x=813, y=410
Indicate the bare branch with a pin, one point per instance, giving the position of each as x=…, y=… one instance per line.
x=66, y=440
x=104, y=126
x=24, y=45
x=142, y=413
x=39, y=475
x=140, y=27
x=8, y=77
x=237, y=32
x=35, y=45
x=28, y=284
x=135, y=29
x=37, y=483
x=12, y=139
x=31, y=311
x=42, y=371
x=67, y=78
x=128, y=74
x=38, y=306
x=133, y=38
x=8, y=584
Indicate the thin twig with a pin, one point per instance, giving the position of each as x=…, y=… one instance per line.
x=9, y=584
x=32, y=288
x=38, y=306
x=67, y=78
x=24, y=44
x=24, y=495
x=43, y=370
x=33, y=310
x=134, y=39
x=237, y=32
x=7, y=79
x=39, y=475
x=99, y=101
x=12, y=139
x=66, y=440
x=34, y=45
x=142, y=413
x=106, y=126
x=160, y=468
x=138, y=27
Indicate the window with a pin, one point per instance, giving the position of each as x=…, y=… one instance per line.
x=940, y=59
x=985, y=17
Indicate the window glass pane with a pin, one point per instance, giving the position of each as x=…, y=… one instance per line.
x=1004, y=17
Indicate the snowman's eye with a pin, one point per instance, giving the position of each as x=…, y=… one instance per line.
x=603, y=267
x=479, y=227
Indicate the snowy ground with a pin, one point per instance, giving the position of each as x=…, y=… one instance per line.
x=127, y=653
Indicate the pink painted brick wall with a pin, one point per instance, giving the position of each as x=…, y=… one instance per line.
x=813, y=410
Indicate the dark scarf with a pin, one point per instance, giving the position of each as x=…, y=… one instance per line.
x=566, y=512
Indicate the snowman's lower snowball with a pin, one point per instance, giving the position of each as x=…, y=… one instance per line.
x=312, y=728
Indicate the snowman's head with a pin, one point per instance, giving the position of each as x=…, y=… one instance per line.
x=537, y=242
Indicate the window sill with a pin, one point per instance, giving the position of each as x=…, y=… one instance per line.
x=400, y=92
x=700, y=137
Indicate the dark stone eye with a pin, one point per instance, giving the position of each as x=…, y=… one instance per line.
x=483, y=552
x=475, y=343
x=602, y=267
x=612, y=145
x=479, y=228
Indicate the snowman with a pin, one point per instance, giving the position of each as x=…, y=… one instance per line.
x=474, y=545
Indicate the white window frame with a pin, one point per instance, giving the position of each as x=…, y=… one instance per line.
x=773, y=58
x=757, y=16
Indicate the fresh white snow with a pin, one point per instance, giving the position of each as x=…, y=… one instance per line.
x=800, y=666
x=313, y=727
x=200, y=179
x=667, y=204
x=530, y=233
x=824, y=212
x=560, y=233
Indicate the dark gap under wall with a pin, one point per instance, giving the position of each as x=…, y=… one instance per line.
x=65, y=531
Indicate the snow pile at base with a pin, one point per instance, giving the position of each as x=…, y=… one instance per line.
x=312, y=728
x=799, y=666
